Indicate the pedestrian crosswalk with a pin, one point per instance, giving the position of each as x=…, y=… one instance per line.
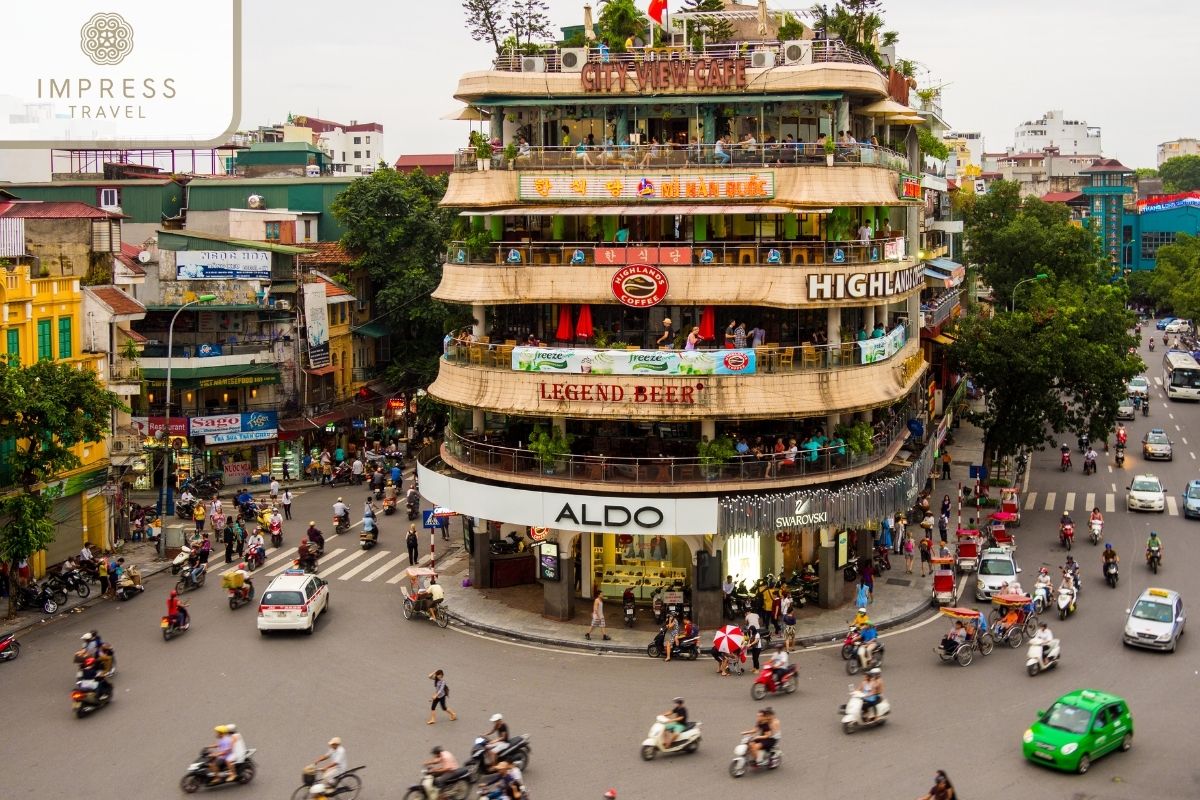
x=1054, y=502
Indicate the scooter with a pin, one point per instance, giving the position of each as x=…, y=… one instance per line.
x=413, y=507
x=240, y=596
x=89, y=696
x=742, y=760
x=1066, y=603
x=1035, y=663
x=130, y=584
x=389, y=506
x=852, y=712
x=199, y=777
x=1066, y=535
x=188, y=582
x=171, y=628
x=1095, y=531
x=1151, y=344
x=184, y=510
x=1146, y=406
x=766, y=684
x=10, y=648
x=686, y=741
x=629, y=615
x=512, y=543
x=255, y=558
x=861, y=662
x=516, y=753
x=687, y=648
x=1089, y=466
x=340, y=475
x=181, y=560
x=883, y=560
x=1154, y=559
x=446, y=786
x=368, y=539
x=1084, y=442
x=1065, y=463
x=341, y=524
x=276, y=536
x=851, y=642
x=1120, y=456
x=1111, y=574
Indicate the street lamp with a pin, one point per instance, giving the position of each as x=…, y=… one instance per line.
x=1041, y=276
x=165, y=502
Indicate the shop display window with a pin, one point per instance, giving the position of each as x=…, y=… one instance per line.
x=645, y=563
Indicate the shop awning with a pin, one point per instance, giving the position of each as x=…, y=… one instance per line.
x=372, y=330
x=935, y=279
x=649, y=209
x=950, y=271
x=328, y=369
x=944, y=339
x=297, y=424
x=213, y=377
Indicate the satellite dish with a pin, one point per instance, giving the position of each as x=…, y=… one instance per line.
x=256, y=201
x=144, y=257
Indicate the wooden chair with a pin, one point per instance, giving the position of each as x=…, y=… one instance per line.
x=787, y=358
x=510, y=342
x=809, y=356
x=763, y=356
x=799, y=255
x=849, y=353
x=484, y=339
x=475, y=354
x=746, y=255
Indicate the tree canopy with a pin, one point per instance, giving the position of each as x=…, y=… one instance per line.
x=859, y=23
x=1174, y=283
x=396, y=231
x=485, y=21
x=710, y=30
x=46, y=409
x=1180, y=174
x=1061, y=360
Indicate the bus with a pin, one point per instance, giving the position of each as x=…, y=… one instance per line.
x=1181, y=375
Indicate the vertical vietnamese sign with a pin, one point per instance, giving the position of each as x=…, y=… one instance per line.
x=316, y=317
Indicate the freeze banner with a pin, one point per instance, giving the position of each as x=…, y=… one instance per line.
x=207, y=265
x=577, y=361
x=884, y=347
x=316, y=318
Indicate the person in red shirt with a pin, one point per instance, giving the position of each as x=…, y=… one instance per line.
x=177, y=611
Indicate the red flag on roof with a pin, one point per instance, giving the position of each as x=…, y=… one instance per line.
x=658, y=12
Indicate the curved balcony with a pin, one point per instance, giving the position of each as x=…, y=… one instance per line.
x=675, y=475
x=823, y=51
x=784, y=382
x=780, y=274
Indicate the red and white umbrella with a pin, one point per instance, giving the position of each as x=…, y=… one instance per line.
x=729, y=639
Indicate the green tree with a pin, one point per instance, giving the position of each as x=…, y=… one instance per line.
x=859, y=23
x=791, y=28
x=485, y=21
x=398, y=233
x=1142, y=173
x=618, y=21
x=1176, y=282
x=1011, y=239
x=710, y=30
x=529, y=20
x=1180, y=174
x=46, y=409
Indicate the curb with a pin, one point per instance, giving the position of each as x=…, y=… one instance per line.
x=600, y=649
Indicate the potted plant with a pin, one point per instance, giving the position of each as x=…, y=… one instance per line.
x=550, y=447
x=715, y=454
x=510, y=154
x=483, y=151
x=859, y=437
x=830, y=149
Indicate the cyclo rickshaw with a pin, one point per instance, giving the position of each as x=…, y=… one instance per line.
x=998, y=534
x=1010, y=503
x=979, y=639
x=966, y=555
x=944, y=590
x=416, y=598
x=1013, y=618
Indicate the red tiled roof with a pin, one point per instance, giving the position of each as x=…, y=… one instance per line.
x=365, y=126
x=319, y=125
x=130, y=250
x=137, y=337
x=331, y=288
x=1105, y=165
x=55, y=209
x=1061, y=197
x=117, y=300
x=425, y=160
x=325, y=253
x=131, y=264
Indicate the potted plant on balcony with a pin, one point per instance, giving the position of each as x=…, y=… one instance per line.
x=859, y=437
x=483, y=151
x=550, y=447
x=510, y=154
x=830, y=149
x=715, y=454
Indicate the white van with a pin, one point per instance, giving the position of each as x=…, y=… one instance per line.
x=292, y=602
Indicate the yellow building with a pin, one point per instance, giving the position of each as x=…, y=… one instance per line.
x=51, y=248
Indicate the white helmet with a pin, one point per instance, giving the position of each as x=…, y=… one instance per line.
x=496, y=717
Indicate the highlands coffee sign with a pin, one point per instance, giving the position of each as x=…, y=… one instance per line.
x=667, y=75
x=863, y=285
x=77, y=74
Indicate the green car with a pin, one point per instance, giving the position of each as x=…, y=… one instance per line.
x=1079, y=728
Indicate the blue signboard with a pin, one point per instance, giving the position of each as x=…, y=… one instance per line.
x=428, y=521
x=209, y=350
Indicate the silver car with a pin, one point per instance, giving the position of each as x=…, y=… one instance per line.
x=1156, y=444
x=1156, y=620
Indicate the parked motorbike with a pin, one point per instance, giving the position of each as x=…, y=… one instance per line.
x=89, y=696
x=75, y=581
x=516, y=753
x=1111, y=574
x=184, y=509
x=687, y=648
x=1095, y=531
x=860, y=660
x=853, y=717
x=10, y=648
x=341, y=474
x=1035, y=662
x=1153, y=560
x=198, y=775
x=742, y=761
x=1066, y=603
x=58, y=589
x=188, y=582
x=512, y=543
x=1066, y=535
x=181, y=560
x=686, y=741
x=766, y=683
x=130, y=584
x=883, y=559
x=850, y=571
x=171, y=627
x=629, y=613
x=37, y=595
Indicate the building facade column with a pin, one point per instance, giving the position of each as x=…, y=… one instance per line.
x=869, y=319
x=833, y=325
x=708, y=429
x=479, y=325
x=914, y=211
x=558, y=597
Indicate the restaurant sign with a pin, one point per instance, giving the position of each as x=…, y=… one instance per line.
x=243, y=427
x=664, y=75
x=687, y=394
x=633, y=186
x=639, y=285
x=862, y=285
x=583, y=361
x=910, y=187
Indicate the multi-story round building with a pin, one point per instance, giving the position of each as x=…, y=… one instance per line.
x=695, y=289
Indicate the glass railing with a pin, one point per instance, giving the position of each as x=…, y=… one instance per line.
x=823, y=51
x=798, y=252
x=810, y=459
x=939, y=311
x=656, y=156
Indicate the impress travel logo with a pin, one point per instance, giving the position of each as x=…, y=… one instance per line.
x=82, y=75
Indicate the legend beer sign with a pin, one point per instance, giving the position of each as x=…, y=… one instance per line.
x=863, y=285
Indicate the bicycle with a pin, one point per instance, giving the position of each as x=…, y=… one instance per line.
x=347, y=785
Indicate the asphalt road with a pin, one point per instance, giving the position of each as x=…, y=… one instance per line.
x=362, y=676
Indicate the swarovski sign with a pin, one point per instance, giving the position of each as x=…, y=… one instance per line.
x=804, y=515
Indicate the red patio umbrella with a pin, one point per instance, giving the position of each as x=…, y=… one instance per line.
x=708, y=323
x=583, y=327
x=564, y=334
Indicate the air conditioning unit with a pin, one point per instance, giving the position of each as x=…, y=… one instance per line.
x=798, y=51
x=762, y=59
x=533, y=64
x=283, y=304
x=116, y=446
x=573, y=58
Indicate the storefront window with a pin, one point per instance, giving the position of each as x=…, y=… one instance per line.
x=646, y=563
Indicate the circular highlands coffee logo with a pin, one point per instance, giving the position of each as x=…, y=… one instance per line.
x=106, y=39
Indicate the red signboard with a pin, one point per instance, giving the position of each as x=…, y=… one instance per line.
x=615, y=256
x=639, y=286
x=613, y=393
x=152, y=426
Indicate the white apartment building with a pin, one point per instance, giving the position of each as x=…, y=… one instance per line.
x=354, y=149
x=1071, y=137
x=1178, y=147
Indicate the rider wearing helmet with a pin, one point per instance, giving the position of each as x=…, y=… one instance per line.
x=497, y=737
x=1154, y=543
x=247, y=584
x=341, y=512
x=861, y=619
x=220, y=762
x=1110, y=554
x=872, y=691
x=177, y=611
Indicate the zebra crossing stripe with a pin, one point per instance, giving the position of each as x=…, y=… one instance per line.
x=1089, y=501
x=385, y=568
x=354, y=556
x=1110, y=504
x=359, y=568
x=1172, y=506
x=1070, y=506
x=1030, y=501
x=327, y=556
x=1050, y=498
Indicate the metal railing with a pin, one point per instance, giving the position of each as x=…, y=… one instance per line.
x=626, y=156
x=667, y=470
x=939, y=312
x=124, y=370
x=823, y=51
x=770, y=359
x=192, y=350
x=682, y=253
x=122, y=445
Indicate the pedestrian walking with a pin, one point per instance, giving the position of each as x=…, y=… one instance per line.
x=946, y=505
x=908, y=548
x=947, y=459
x=943, y=526
x=274, y=491
x=868, y=580
x=411, y=542
x=198, y=517
x=227, y=538
x=901, y=525
x=286, y=501
x=753, y=644
x=441, y=692
x=789, y=620
x=926, y=548
x=102, y=567
x=597, y=617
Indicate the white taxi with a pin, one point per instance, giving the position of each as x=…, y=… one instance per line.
x=1146, y=493
x=1156, y=620
x=293, y=602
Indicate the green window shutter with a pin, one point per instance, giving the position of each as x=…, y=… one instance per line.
x=45, y=341
x=64, y=337
x=14, y=344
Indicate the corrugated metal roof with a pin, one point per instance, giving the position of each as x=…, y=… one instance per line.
x=284, y=249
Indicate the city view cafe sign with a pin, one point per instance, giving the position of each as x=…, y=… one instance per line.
x=664, y=75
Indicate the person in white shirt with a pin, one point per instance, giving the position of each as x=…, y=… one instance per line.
x=187, y=496
x=274, y=490
x=85, y=554
x=336, y=756
x=433, y=596
x=753, y=620
x=341, y=511
x=864, y=233
x=237, y=753
x=357, y=469
x=779, y=662
x=1043, y=637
